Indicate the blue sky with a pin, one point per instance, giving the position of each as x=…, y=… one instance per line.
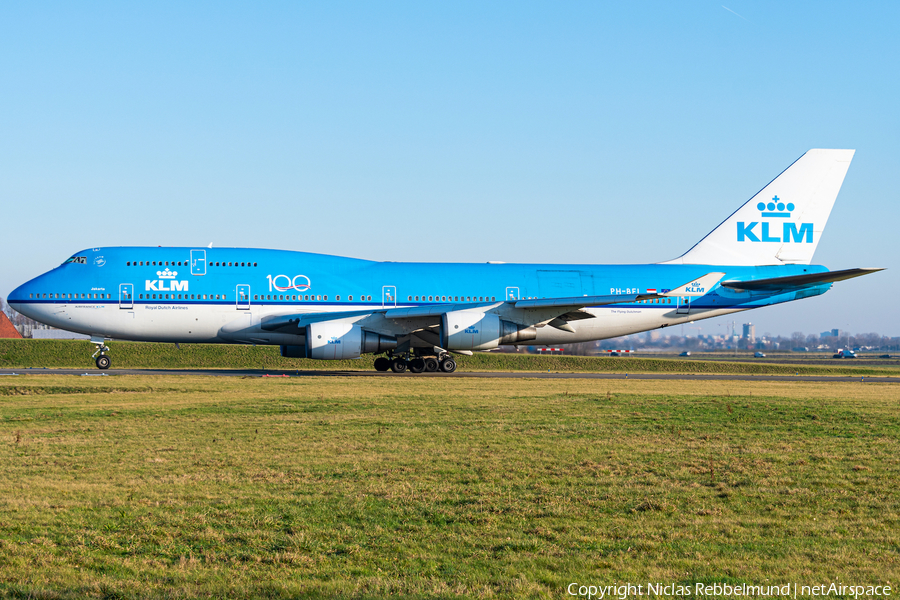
x=526, y=132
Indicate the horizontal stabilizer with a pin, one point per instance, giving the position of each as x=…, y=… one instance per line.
x=793, y=281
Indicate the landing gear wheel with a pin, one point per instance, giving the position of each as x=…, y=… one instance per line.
x=103, y=362
x=431, y=365
x=382, y=364
x=398, y=365
x=416, y=365
x=448, y=365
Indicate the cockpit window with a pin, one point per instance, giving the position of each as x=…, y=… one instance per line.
x=82, y=260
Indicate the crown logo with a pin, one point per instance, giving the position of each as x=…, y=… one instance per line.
x=776, y=208
x=167, y=274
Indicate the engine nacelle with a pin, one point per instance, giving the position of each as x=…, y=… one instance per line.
x=473, y=330
x=337, y=341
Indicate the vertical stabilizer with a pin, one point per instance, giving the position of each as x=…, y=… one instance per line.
x=782, y=223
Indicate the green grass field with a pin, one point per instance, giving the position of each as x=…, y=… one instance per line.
x=77, y=354
x=185, y=486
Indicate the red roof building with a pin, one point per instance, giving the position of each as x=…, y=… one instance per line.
x=7, y=330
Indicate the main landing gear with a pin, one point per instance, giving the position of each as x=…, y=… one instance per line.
x=416, y=364
x=100, y=358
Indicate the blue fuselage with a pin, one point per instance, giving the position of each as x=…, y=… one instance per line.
x=185, y=294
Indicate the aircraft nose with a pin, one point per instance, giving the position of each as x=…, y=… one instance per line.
x=17, y=299
x=17, y=296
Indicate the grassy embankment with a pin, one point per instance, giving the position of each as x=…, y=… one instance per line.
x=159, y=487
x=77, y=354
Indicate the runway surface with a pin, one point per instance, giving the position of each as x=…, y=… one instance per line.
x=490, y=375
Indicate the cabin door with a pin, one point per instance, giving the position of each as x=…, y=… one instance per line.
x=243, y=296
x=198, y=262
x=388, y=296
x=126, y=296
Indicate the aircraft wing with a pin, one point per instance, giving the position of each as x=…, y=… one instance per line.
x=436, y=310
x=796, y=281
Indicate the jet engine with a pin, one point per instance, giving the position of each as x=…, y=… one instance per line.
x=337, y=341
x=473, y=330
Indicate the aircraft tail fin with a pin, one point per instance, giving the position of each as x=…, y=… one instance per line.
x=783, y=222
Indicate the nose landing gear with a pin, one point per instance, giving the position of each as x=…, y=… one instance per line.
x=100, y=358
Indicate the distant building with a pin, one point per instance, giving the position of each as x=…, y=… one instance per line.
x=835, y=333
x=7, y=329
x=750, y=332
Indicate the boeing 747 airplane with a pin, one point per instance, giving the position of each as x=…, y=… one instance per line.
x=417, y=315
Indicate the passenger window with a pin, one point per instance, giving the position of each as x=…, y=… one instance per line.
x=254, y=264
x=326, y=298
x=337, y=298
x=350, y=298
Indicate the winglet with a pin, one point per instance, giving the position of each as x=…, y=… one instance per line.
x=697, y=287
